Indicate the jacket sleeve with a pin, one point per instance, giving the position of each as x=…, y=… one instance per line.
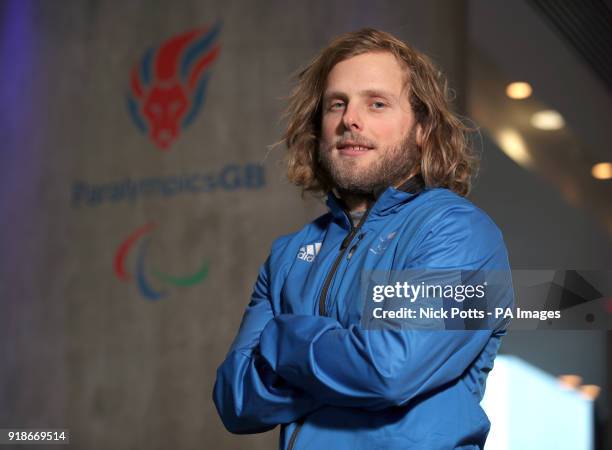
x=375, y=369
x=248, y=395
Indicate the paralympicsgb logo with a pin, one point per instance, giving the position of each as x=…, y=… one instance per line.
x=168, y=85
x=151, y=281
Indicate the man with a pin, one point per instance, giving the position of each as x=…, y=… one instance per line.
x=369, y=125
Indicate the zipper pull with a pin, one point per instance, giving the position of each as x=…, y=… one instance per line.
x=354, y=247
x=347, y=240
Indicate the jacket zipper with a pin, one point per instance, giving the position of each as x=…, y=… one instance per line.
x=343, y=247
x=295, y=434
x=355, y=245
x=330, y=276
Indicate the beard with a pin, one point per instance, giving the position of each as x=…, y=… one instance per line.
x=393, y=166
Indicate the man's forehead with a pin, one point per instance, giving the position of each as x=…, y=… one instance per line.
x=368, y=74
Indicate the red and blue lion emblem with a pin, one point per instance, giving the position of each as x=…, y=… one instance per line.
x=169, y=84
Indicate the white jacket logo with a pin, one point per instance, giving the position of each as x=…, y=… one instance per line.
x=308, y=252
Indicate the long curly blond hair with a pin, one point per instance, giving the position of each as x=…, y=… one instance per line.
x=445, y=158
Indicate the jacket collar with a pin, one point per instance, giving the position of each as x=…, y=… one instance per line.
x=386, y=200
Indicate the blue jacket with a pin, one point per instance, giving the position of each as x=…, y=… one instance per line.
x=303, y=360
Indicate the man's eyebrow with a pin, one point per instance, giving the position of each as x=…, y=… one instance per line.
x=364, y=93
x=333, y=94
x=377, y=93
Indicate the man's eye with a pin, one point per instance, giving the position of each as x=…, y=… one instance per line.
x=378, y=105
x=336, y=105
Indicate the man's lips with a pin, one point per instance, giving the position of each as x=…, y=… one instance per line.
x=353, y=150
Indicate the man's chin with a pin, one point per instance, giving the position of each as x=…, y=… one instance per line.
x=355, y=188
x=353, y=167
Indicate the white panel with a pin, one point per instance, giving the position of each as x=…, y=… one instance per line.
x=528, y=409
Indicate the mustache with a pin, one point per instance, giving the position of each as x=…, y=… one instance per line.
x=354, y=139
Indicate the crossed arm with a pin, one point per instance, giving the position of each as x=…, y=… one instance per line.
x=250, y=397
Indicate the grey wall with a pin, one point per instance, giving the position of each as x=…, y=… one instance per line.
x=80, y=348
x=84, y=350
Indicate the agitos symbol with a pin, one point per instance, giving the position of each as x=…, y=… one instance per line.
x=169, y=83
x=144, y=284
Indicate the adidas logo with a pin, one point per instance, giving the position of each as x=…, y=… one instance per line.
x=308, y=252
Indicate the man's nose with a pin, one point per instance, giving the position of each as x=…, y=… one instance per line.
x=352, y=118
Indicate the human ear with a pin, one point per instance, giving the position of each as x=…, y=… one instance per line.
x=419, y=134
